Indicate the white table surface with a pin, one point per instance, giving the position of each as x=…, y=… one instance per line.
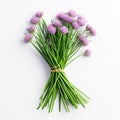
x=23, y=73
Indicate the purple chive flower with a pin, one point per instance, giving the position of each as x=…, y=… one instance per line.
x=80, y=17
x=72, y=13
x=85, y=42
x=87, y=53
x=83, y=39
x=68, y=19
x=92, y=31
x=35, y=20
x=51, y=29
x=57, y=23
x=75, y=25
x=60, y=15
x=81, y=22
x=64, y=29
x=65, y=17
x=28, y=38
x=31, y=29
x=39, y=14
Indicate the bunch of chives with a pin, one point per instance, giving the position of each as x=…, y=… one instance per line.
x=57, y=43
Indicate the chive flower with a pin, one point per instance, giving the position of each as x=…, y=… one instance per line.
x=64, y=29
x=80, y=17
x=72, y=13
x=75, y=25
x=57, y=23
x=65, y=17
x=69, y=19
x=60, y=15
x=35, y=20
x=83, y=39
x=31, y=29
x=39, y=14
x=51, y=29
x=92, y=31
x=28, y=38
x=87, y=53
x=81, y=22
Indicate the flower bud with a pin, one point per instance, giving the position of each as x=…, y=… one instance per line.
x=57, y=23
x=64, y=29
x=83, y=39
x=28, y=38
x=51, y=29
x=35, y=20
x=39, y=14
x=31, y=29
x=72, y=13
x=92, y=31
x=87, y=53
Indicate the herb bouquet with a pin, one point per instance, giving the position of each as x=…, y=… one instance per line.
x=58, y=42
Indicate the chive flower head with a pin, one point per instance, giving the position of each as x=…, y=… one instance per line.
x=75, y=25
x=28, y=38
x=83, y=39
x=81, y=22
x=39, y=14
x=72, y=13
x=57, y=23
x=31, y=29
x=87, y=53
x=64, y=29
x=35, y=20
x=90, y=28
x=51, y=29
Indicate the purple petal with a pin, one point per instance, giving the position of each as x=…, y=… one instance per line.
x=60, y=15
x=81, y=22
x=87, y=53
x=83, y=39
x=64, y=29
x=28, y=38
x=39, y=14
x=31, y=29
x=92, y=31
x=35, y=20
x=72, y=13
x=75, y=25
x=51, y=29
x=57, y=23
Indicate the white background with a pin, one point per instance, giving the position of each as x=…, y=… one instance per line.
x=23, y=73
